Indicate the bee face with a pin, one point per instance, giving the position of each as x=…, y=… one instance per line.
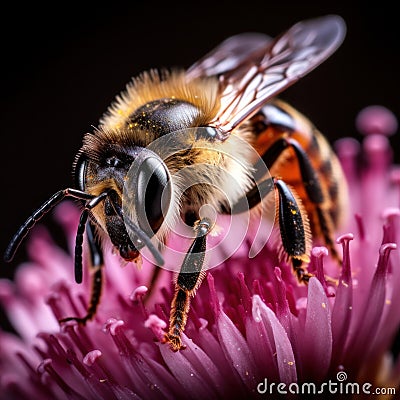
x=218, y=119
x=103, y=167
x=98, y=169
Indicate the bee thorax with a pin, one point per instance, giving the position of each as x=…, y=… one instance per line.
x=164, y=116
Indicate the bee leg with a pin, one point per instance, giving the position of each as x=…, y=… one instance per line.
x=311, y=184
x=294, y=229
x=96, y=260
x=315, y=194
x=293, y=224
x=187, y=282
x=252, y=197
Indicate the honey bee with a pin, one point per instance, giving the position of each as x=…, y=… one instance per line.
x=231, y=92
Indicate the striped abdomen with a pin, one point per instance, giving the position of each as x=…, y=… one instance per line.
x=276, y=120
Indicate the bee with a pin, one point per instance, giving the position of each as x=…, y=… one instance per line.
x=229, y=93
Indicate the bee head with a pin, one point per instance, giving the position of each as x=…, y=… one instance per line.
x=138, y=185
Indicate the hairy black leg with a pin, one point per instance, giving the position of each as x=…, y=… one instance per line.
x=293, y=230
x=253, y=196
x=311, y=184
x=188, y=280
x=269, y=158
x=96, y=261
x=38, y=214
x=292, y=224
x=308, y=174
x=315, y=194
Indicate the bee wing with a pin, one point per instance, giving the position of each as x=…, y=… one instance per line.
x=231, y=54
x=248, y=85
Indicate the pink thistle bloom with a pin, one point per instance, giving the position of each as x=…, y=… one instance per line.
x=252, y=331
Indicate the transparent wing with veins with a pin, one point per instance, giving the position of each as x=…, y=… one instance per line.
x=251, y=74
x=233, y=53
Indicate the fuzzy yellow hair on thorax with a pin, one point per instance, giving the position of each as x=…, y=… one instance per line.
x=153, y=85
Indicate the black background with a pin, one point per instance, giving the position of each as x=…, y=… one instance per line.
x=62, y=67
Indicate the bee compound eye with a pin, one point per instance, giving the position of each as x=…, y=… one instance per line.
x=153, y=196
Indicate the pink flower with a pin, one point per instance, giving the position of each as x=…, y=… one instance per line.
x=251, y=327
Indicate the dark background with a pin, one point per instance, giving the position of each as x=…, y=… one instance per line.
x=62, y=67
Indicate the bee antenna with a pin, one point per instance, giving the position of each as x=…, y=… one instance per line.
x=47, y=206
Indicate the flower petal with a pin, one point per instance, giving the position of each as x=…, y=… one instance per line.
x=365, y=331
x=278, y=336
x=233, y=343
x=210, y=345
x=263, y=350
x=193, y=380
x=236, y=350
x=150, y=380
x=317, y=333
x=342, y=309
